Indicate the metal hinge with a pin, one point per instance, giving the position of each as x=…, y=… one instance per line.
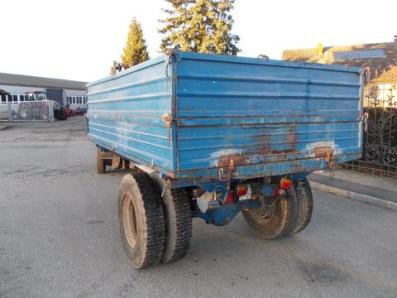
x=224, y=174
x=167, y=118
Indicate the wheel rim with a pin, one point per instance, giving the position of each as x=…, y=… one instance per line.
x=266, y=214
x=129, y=221
x=272, y=220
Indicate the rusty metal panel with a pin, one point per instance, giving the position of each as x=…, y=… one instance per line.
x=256, y=117
x=125, y=113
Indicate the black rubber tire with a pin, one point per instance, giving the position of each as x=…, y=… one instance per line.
x=141, y=220
x=60, y=116
x=305, y=206
x=100, y=163
x=280, y=223
x=178, y=224
x=293, y=200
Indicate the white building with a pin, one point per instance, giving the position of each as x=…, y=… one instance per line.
x=65, y=92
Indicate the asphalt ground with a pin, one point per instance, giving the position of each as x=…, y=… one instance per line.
x=59, y=236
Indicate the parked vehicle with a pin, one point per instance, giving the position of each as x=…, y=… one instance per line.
x=3, y=104
x=77, y=104
x=60, y=112
x=209, y=136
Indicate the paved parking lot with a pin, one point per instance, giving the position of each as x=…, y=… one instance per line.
x=59, y=236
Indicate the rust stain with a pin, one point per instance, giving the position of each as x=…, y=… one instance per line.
x=285, y=151
x=232, y=161
x=323, y=152
x=291, y=137
x=171, y=175
x=265, y=142
x=327, y=153
x=290, y=140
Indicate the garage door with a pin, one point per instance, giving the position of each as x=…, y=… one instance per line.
x=55, y=94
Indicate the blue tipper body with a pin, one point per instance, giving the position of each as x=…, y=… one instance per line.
x=193, y=115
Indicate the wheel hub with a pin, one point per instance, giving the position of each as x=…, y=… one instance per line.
x=267, y=209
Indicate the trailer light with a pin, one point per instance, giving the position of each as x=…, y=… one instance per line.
x=285, y=183
x=242, y=190
x=229, y=197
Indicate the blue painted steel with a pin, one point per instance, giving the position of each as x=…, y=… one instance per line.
x=268, y=189
x=226, y=213
x=125, y=113
x=268, y=117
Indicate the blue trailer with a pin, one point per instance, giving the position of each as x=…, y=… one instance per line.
x=209, y=136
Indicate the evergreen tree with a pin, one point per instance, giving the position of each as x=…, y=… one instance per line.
x=200, y=26
x=135, y=50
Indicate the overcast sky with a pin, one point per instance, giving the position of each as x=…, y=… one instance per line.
x=79, y=39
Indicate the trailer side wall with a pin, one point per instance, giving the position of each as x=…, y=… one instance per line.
x=125, y=113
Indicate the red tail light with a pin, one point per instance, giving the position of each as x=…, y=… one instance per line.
x=229, y=198
x=285, y=183
x=242, y=190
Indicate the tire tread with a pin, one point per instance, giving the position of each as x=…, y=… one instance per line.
x=100, y=163
x=181, y=204
x=304, y=193
x=153, y=217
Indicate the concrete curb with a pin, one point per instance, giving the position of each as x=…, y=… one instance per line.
x=355, y=196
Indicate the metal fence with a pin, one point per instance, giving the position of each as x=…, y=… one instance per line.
x=16, y=110
x=380, y=131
